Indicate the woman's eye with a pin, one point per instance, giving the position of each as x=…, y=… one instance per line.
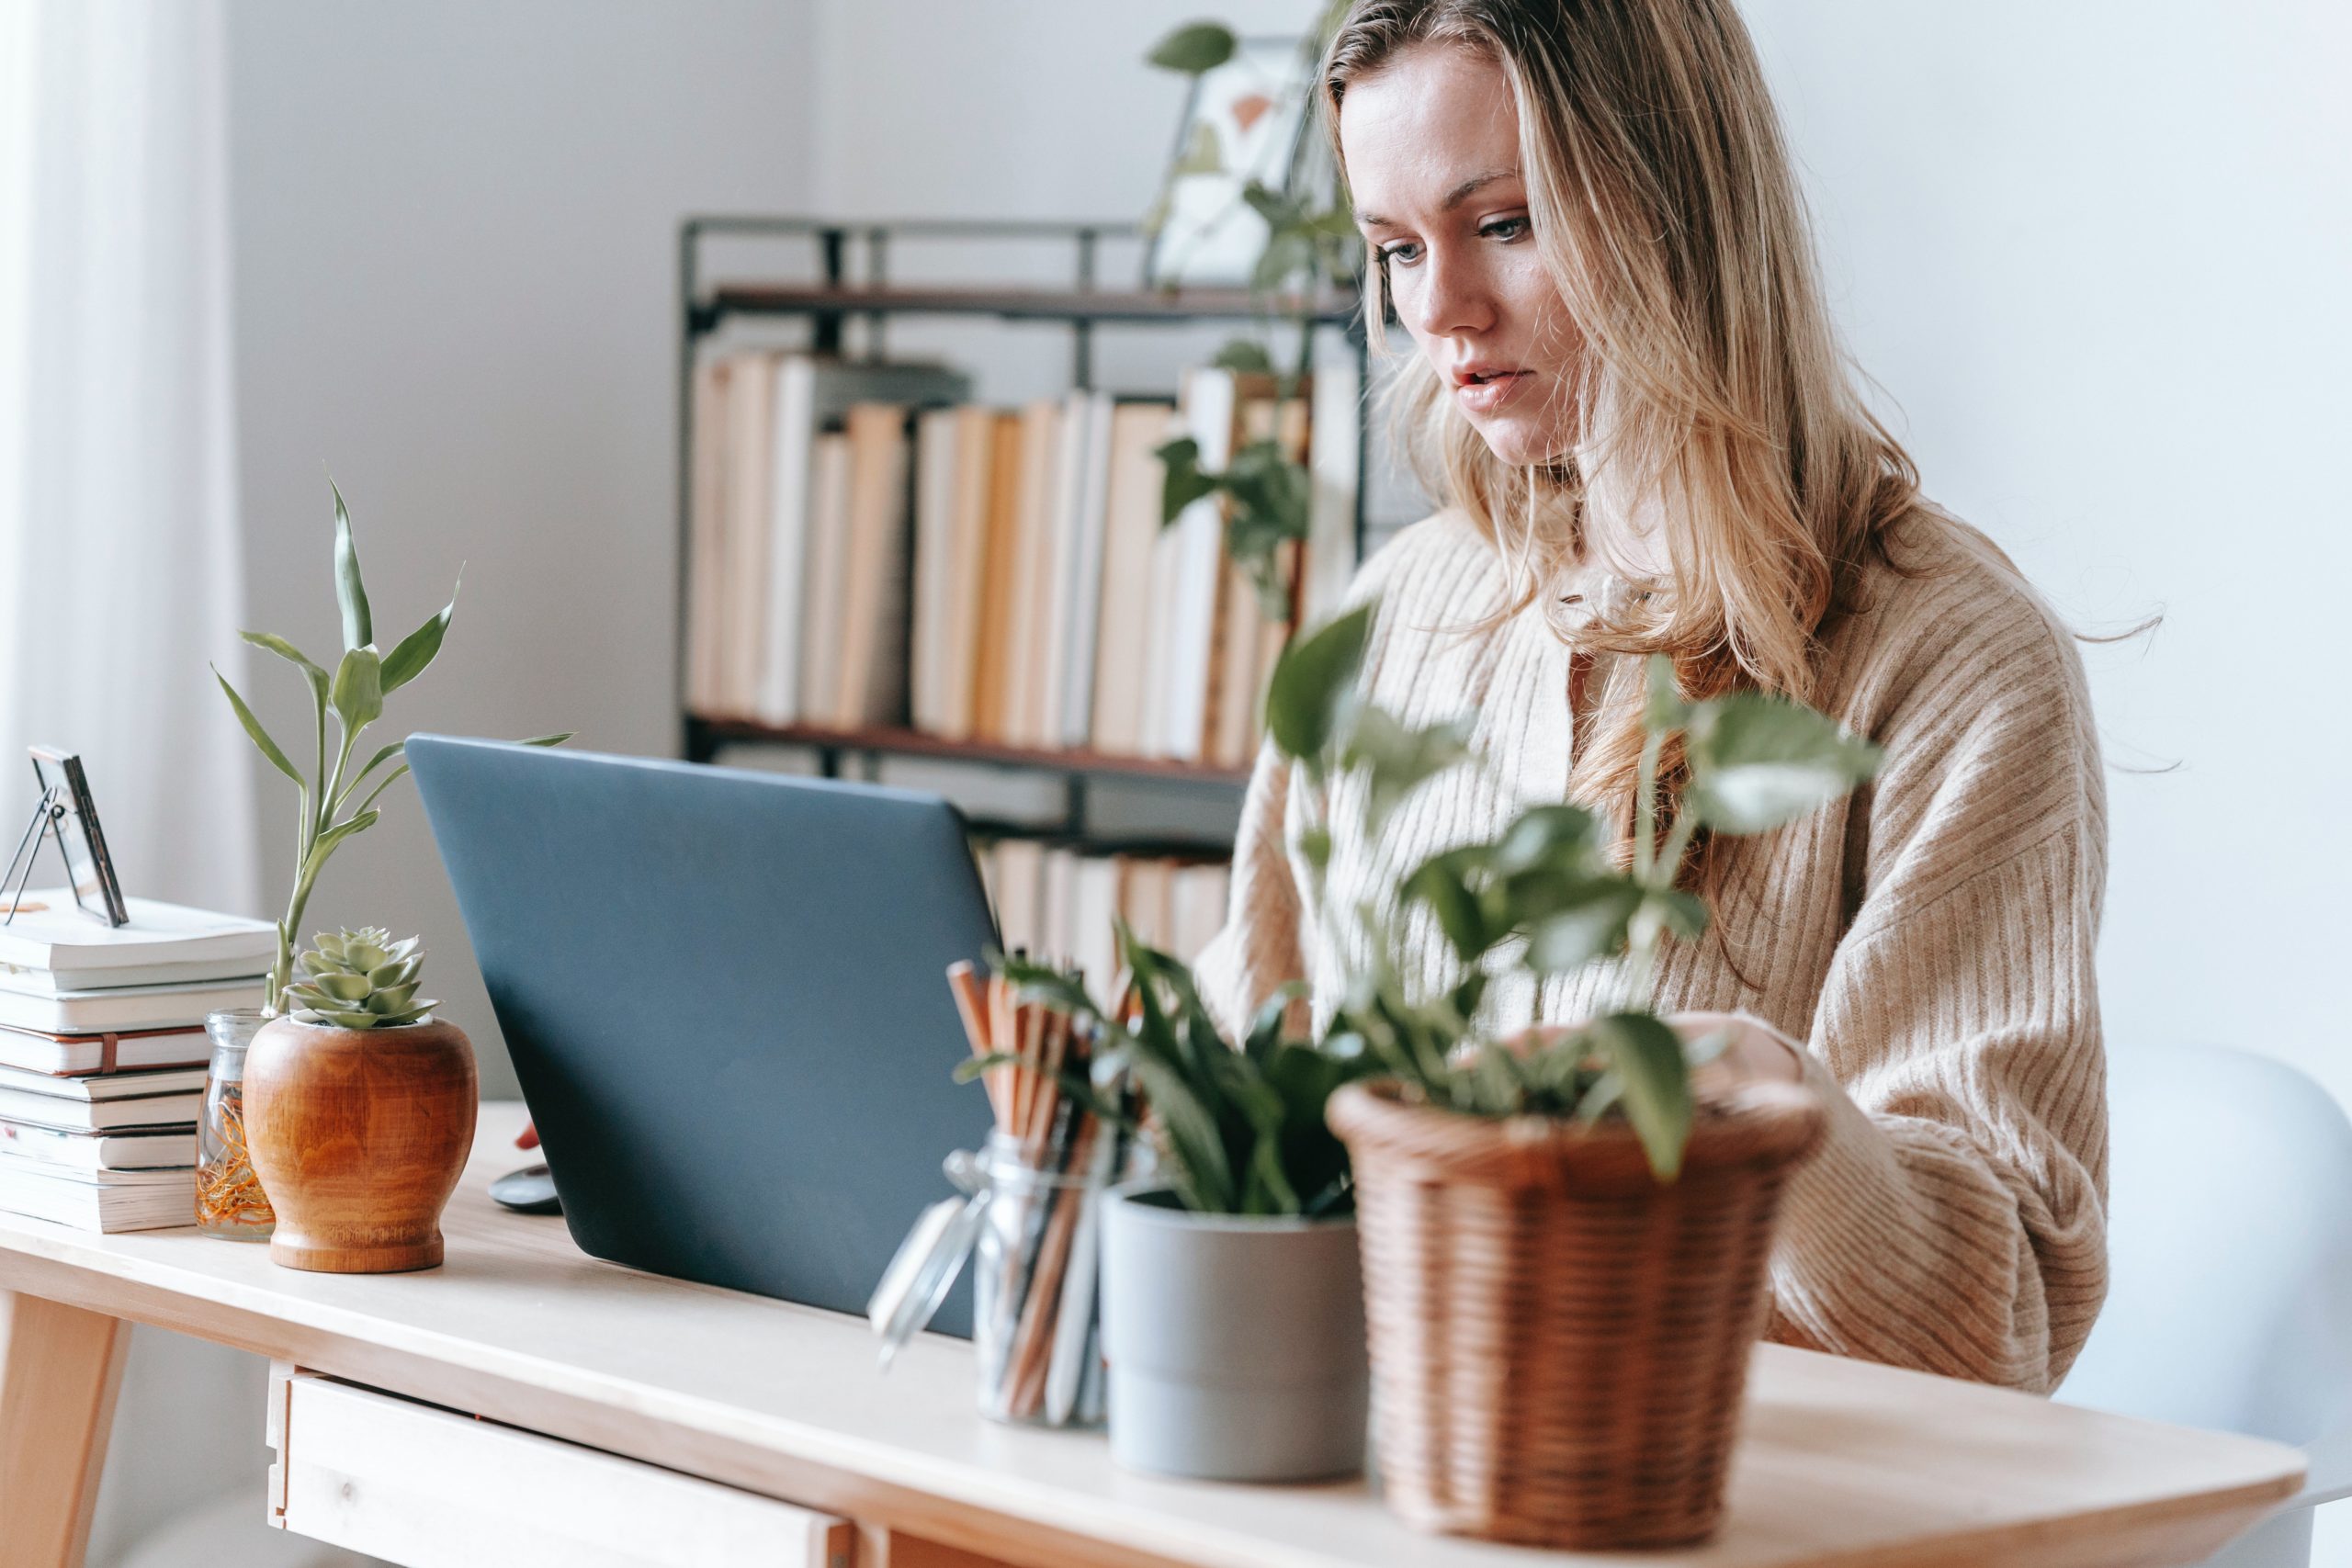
x=1504, y=229
x=1403, y=252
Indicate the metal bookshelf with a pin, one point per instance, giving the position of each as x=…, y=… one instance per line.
x=845, y=277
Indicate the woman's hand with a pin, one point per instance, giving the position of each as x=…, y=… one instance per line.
x=1757, y=1053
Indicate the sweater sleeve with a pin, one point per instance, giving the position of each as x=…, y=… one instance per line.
x=1954, y=1218
x=1258, y=949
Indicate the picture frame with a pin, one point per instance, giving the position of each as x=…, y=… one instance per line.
x=1244, y=121
x=74, y=819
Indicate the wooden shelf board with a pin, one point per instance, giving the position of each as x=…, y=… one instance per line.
x=1018, y=304
x=915, y=743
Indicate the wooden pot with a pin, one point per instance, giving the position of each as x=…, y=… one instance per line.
x=358, y=1137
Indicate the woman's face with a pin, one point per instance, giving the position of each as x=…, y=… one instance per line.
x=1431, y=142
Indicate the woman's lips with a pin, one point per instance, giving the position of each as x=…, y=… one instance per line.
x=1488, y=395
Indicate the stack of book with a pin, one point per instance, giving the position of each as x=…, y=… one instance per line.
x=868, y=552
x=1056, y=903
x=103, y=1054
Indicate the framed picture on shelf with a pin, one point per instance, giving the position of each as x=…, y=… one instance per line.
x=1245, y=121
x=74, y=817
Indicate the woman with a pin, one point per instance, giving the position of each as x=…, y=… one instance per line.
x=1627, y=392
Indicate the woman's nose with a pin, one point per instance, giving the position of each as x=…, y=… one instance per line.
x=1453, y=297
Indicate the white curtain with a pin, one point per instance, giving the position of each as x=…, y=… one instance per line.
x=120, y=568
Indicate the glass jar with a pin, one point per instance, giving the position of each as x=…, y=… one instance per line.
x=230, y=1202
x=1038, y=1299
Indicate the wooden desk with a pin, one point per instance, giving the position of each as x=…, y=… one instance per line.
x=1841, y=1464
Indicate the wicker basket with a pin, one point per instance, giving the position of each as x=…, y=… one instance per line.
x=1560, y=1343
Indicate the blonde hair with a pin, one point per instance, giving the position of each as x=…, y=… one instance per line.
x=1711, y=394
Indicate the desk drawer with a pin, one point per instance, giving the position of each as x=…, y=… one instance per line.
x=428, y=1488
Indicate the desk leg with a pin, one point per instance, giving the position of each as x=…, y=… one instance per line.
x=60, y=1368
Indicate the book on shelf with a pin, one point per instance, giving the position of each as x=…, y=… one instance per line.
x=50, y=934
x=56, y=982
x=39, y=1051
x=175, y=1112
x=146, y=1149
x=996, y=575
x=772, y=494
x=120, y=1008
x=99, y=1089
x=1056, y=902
x=105, y=1200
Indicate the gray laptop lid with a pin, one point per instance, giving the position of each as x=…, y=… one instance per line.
x=726, y=999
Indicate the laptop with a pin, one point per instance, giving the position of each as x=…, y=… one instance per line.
x=725, y=995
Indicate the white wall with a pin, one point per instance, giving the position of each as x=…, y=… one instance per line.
x=456, y=228
x=453, y=227
x=2096, y=253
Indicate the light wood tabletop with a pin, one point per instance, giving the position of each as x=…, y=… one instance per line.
x=1840, y=1462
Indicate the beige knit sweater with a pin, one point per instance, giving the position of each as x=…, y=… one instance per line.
x=1928, y=940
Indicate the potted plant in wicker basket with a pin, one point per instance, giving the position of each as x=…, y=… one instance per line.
x=1232, y=1295
x=1564, y=1246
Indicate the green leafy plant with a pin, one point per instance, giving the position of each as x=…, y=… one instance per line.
x=1311, y=252
x=361, y=979
x=1542, y=896
x=1239, y=1128
x=355, y=695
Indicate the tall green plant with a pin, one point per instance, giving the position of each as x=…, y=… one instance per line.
x=1542, y=896
x=1240, y=1127
x=1311, y=251
x=355, y=695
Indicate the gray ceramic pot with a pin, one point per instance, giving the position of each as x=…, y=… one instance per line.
x=1236, y=1344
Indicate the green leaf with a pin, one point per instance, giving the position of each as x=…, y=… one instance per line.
x=1665, y=708
x=395, y=971
x=1280, y=211
x=343, y=986
x=389, y=780
x=1193, y=48
x=1314, y=846
x=326, y=841
x=1314, y=683
x=269, y=747
x=391, y=999
x=1757, y=762
x=292, y=655
x=1559, y=837
x=1202, y=154
x=1287, y=254
x=548, y=740
x=1185, y=483
x=1245, y=356
x=1043, y=982
x=358, y=693
x=417, y=649
x=1400, y=760
x=1440, y=882
x=1684, y=914
x=1648, y=1056
x=350, y=594
x=1591, y=928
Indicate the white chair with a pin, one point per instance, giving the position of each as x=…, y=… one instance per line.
x=2230, y=1257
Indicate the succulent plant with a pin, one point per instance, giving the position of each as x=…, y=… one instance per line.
x=361, y=979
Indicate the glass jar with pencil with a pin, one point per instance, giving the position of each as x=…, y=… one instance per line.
x=1030, y=1224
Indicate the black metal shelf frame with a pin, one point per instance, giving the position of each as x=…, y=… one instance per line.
x=867, y=294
